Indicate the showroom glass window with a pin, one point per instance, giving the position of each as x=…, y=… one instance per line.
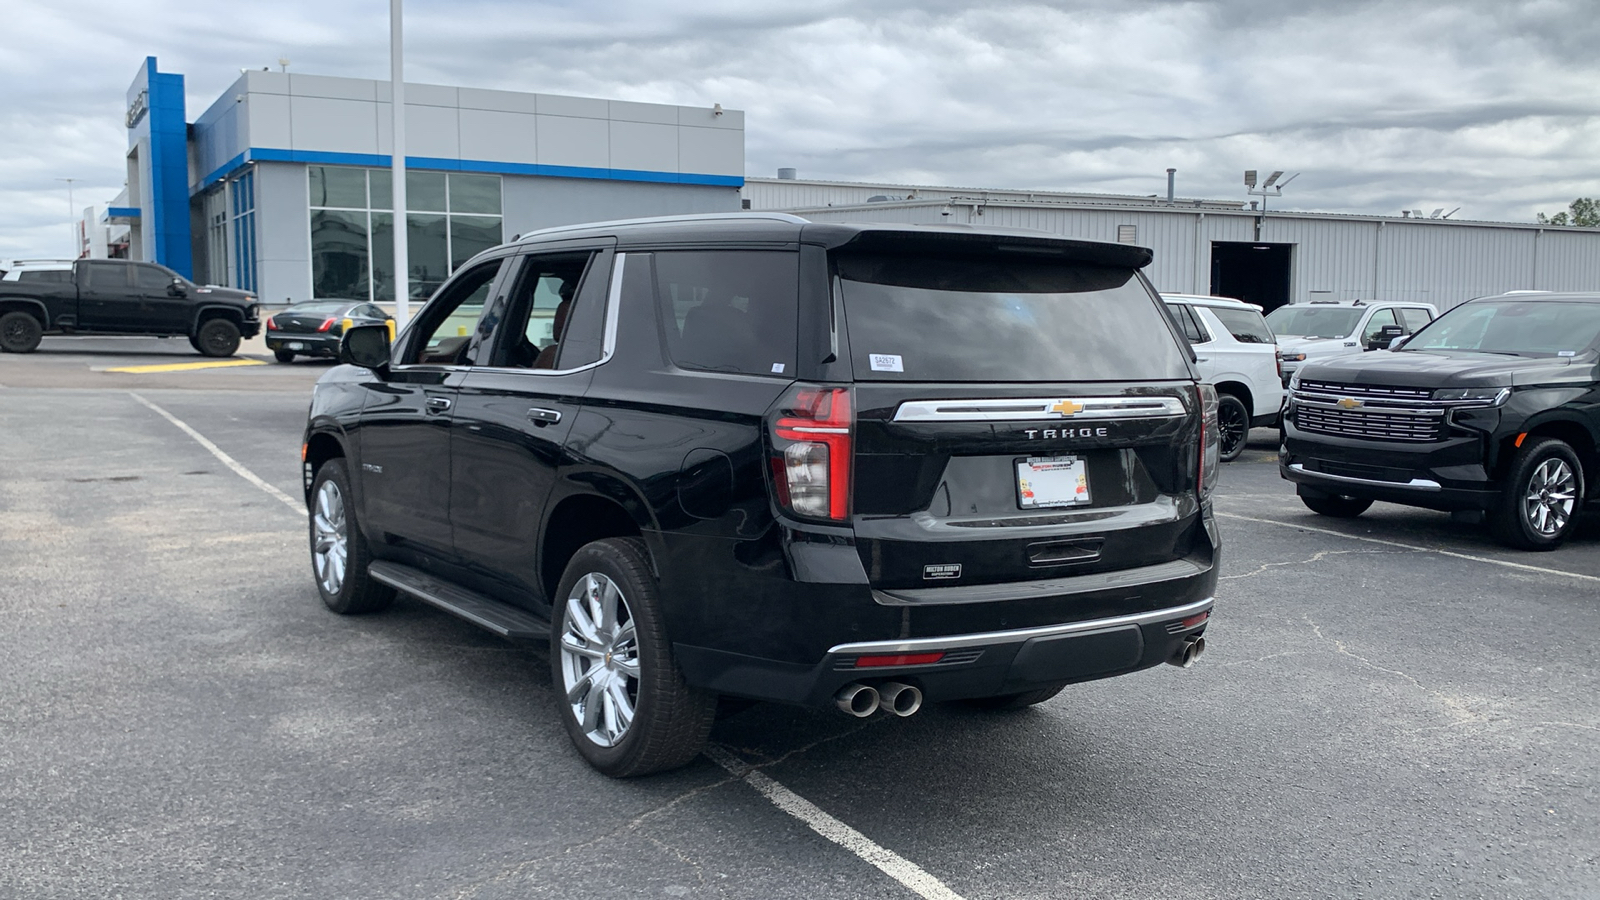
x=450, y=216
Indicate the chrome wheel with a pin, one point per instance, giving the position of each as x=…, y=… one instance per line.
x=599, y=659
x=1551, y=497
x=331, y=542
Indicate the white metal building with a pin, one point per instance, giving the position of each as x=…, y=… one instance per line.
x=1223, y=247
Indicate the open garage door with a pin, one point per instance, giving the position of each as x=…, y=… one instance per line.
x=1254, y=273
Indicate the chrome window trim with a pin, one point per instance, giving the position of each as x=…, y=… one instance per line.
x=1031, y=409
x=608, y=342
x=1415, y=484
x=960, y=641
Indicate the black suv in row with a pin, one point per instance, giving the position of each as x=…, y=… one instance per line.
x=756, y=457
x=1493, y=407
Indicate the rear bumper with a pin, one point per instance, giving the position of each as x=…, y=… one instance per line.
x=985, y=664
x=309, y=344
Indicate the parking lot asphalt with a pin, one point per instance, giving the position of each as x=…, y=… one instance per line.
x=1390, y=706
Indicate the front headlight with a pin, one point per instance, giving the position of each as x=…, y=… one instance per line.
x=1294, y=357
x=1476, y=396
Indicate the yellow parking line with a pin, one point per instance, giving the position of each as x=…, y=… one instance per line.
x=185, y=367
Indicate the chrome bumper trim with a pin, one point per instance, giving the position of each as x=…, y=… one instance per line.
x=988, y=639
x=1415, y=484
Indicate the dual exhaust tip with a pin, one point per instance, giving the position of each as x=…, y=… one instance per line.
x=1185, y=656
x=862, y=700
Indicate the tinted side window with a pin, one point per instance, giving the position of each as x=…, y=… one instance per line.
x=1194, y=327
x=1375, y=324
x=45, y=276
x=444, y=333
x=109, y=277
x=1413, y=318
x=729, y=310
x=1246, y=325
x=152, y=279
x=541, y=311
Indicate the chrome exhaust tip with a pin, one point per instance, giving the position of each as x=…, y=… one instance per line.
x=1185, y=656
x=857, y=699
x=901, y=699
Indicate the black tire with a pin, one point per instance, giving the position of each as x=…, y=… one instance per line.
x=216, y=337
x=1336, y=506
x=670, y=720
x=19, y=332
x=354, y=591
x=1233, y=423
x=283, y=356
x=1014, y=701
x=1543, y=472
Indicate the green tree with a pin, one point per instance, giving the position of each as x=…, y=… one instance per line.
x=1583, y=212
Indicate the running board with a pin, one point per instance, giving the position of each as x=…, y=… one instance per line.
x=501, y=618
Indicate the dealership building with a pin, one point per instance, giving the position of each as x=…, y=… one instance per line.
x=282, y=186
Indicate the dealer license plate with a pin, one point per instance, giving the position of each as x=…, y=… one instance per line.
x=295, y=345
x=1052, y=481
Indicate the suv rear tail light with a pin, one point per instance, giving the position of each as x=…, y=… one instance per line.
x=811, y=444
x=1210, y=441
x=1277, y=359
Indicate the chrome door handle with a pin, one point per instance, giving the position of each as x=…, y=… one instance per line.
x=439, y=404
x=550, y=416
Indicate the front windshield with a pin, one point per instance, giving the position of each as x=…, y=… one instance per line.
x=1314, y=321
x=1519, y=327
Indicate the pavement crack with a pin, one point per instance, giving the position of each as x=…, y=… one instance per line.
x=1455, y=706
x=1316, y=557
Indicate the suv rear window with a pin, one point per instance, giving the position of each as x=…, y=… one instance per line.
x=1246, y=325
x=923, y=318
x=729, y=310
x=48, y=276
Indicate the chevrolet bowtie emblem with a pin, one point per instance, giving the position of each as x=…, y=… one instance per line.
x=1067, y=408
x=1349, y=403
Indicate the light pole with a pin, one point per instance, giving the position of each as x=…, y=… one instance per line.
x=72, y=213
x=397, y=165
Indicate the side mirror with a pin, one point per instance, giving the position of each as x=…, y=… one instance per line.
x=1395, y=344
x=1385, y=337
x=366, y=346
x=177, y=288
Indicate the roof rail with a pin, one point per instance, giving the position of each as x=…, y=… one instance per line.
x=652, y=220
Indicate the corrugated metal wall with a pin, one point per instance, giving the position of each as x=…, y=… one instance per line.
x=1433, y=261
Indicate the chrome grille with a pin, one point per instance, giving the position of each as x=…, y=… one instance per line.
x=1368, y=424
x=1366, y=391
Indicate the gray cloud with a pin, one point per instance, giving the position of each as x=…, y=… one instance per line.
x=1382, y=105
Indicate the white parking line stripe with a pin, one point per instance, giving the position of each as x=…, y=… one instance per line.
x=227, y=460
x=890, y=863
x=1372, y=540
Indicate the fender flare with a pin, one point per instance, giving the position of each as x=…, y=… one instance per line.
x=28, y=304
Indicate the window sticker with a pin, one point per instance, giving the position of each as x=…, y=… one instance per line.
x=886, y=362
x=777, y=368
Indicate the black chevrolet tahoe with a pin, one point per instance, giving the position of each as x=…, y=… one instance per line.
x=754, y=457
x=115, y=296
x=1494, y=407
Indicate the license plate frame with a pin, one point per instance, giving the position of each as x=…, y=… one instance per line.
x=1052, y=482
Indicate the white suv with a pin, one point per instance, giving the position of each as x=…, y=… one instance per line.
x=1236, y=351
x=52, y=270
x=1315, y=331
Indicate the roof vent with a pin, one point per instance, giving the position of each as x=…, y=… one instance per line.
x=787, y=174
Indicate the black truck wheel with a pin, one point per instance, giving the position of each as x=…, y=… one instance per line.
x=216, y=337
x=1233, y=426
x=19, y=332
x=339, y=554
x=1539, y=503
x=620, y=692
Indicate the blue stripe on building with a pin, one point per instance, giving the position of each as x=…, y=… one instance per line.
x=169, y=170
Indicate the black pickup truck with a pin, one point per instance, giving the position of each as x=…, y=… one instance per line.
x=1494, y=408
x=114, y=296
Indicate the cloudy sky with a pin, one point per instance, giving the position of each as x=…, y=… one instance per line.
x=1493, y=107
